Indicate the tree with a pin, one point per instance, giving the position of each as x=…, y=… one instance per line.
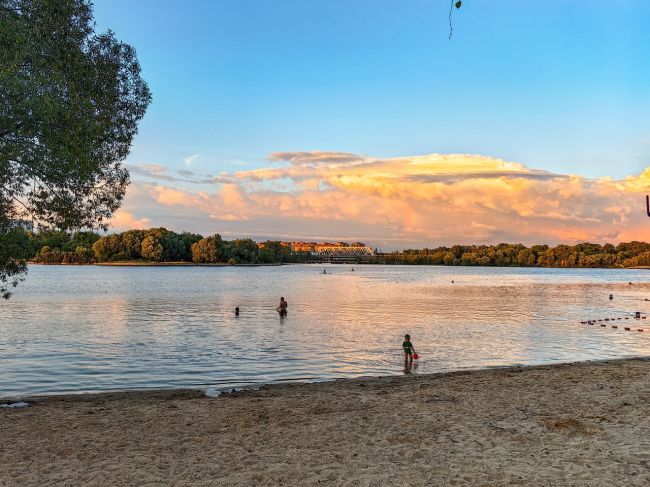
x=242, y=251
x=70, y=102
x=15, y=248
x=152, y=249
x=189, y=239
x=205, y=251
x=274, y=251
x=132, y=243
x=106, y=247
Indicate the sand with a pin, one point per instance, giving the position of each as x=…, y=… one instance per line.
x=584, y=424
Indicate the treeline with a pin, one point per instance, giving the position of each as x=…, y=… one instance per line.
x=162, y=245
x=507, y=255
x=57, y=247
x=153, y=245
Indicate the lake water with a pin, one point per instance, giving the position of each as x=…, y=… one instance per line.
x=90, y=328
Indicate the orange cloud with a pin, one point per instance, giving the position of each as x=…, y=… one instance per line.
x=124, y=220
x=407, y=201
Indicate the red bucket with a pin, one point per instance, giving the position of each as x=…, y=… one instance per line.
x=415, y=356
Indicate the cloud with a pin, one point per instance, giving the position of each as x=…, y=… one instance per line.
x=160, y=173
x=124, y=220
x=403, y=202
x=315, y=157
x=189, y=160
x=153, y=171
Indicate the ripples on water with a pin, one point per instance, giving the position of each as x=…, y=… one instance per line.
x=74, y=329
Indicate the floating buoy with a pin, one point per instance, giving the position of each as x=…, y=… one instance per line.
x=620, y=318
x=600, y=320
x=643, y=317
x=627, y=328
x=603, y=325
x=614, y=326
x=627, y=317
x=606, y=319
x=640, y=329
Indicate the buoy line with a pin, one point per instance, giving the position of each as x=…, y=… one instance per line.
x=601, y=322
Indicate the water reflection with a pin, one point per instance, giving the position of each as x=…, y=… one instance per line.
x=98, y=328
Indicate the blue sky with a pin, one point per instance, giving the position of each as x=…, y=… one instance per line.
x=555, y=86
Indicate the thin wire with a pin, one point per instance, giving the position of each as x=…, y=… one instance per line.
x=451, y=8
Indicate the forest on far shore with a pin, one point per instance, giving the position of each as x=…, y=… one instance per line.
x=162, y=245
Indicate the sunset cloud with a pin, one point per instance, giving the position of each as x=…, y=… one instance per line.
x=161, y=173
x=399, y=202
x=124, y=220
x=315, y=157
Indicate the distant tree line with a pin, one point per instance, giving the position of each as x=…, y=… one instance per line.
x=510, y=255
x=153, y=245
x=162, y=245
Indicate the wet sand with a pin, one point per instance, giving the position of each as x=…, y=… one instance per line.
x=584, y=424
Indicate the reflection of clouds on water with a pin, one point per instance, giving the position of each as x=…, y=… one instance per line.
x=93, y=328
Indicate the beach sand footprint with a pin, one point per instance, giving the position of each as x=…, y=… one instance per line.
x=571, y=426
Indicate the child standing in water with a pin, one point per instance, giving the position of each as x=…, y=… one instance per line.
x=408, y=351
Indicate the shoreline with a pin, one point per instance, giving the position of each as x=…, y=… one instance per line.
x=278, y=264
x=201, y=392
x=582, y=423
x=180, y=264
x=161, y=264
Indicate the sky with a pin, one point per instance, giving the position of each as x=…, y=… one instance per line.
x=362, y=120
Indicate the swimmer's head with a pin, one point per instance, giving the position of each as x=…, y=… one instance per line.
x=407, y=337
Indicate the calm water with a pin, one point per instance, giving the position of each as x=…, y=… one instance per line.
x=74, y=329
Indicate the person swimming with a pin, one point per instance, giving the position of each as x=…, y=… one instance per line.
x=237, y=311
x=324, y=271
x=282, y=307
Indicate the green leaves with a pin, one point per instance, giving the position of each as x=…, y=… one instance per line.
x=14, y=249
x=70, y=102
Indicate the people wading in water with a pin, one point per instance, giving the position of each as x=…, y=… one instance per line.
x=282, y=307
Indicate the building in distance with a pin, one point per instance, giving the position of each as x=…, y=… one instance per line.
x=328, y=248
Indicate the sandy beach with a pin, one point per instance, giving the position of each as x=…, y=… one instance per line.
x=583, y=424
